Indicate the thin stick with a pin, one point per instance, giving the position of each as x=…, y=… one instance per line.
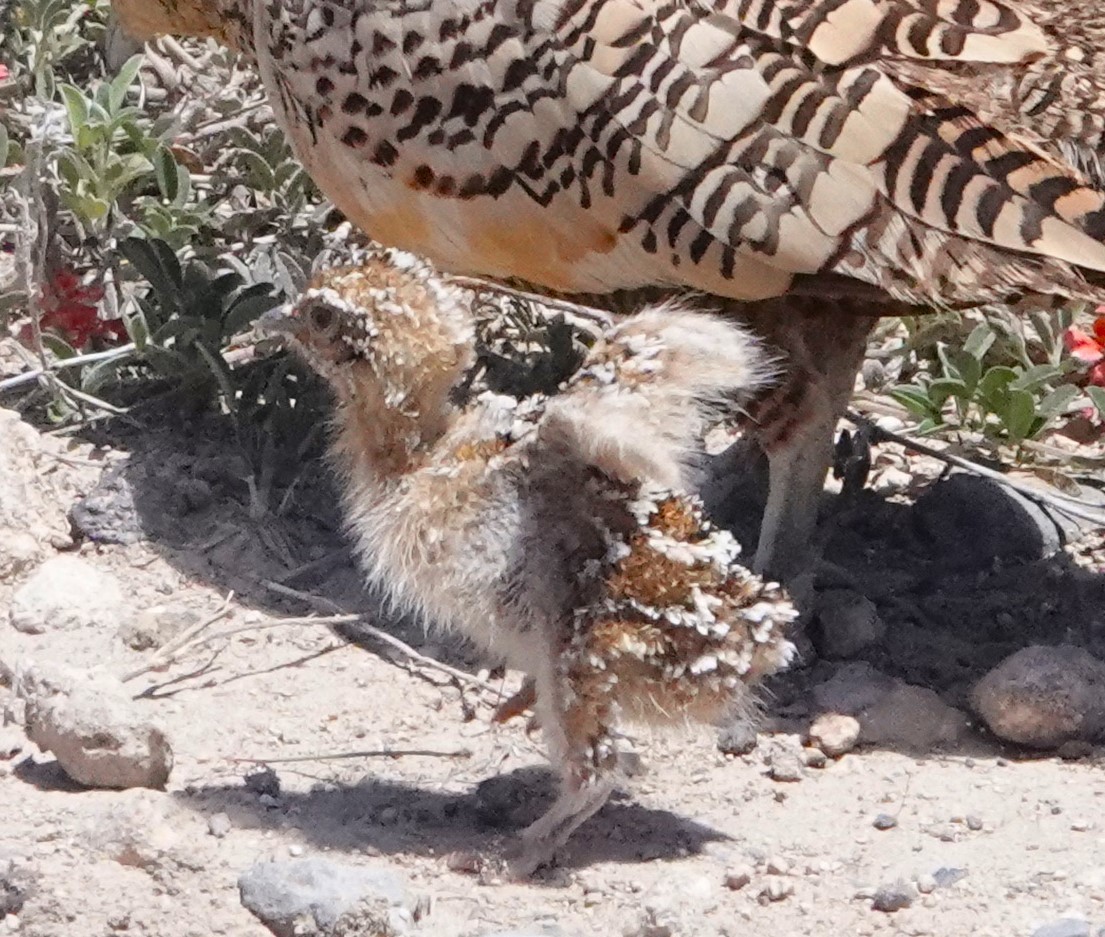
x=1065, y=504
x=385, y=638
x=370, y=753
x=591, y=315
x=164, y=655
x=29, y=376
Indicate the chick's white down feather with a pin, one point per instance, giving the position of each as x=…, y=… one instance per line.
x=560, y=534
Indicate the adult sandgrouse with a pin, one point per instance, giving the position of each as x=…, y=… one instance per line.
x=555, y=533
x=816, y=162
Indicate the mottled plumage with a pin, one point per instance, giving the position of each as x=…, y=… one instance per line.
x=556, y=533
x=872, y=155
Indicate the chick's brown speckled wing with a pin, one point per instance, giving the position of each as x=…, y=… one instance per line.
x=679, y=627
x=591, y=145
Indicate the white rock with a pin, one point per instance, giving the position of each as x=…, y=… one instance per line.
x=1044, y=696
x=66, y=593
x=835, y=734
x=92, y=727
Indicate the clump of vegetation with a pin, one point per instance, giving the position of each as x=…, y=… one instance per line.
x=149, y=213
x=1010, y=379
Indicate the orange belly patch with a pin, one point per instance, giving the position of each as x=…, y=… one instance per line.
x=535, y=250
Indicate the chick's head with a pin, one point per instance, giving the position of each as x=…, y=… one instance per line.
x=387, y=330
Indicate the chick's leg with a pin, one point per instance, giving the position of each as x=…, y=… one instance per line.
x=583, y=749
x=579, y=800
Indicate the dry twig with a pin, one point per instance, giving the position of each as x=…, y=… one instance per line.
x=369, y=753
x=587, y=317
x=1066, y=504
x=165, y=655
x=382, y=636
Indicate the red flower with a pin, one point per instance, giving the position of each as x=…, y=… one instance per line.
x=69, y=307
x=4, y=73
x=1089, y=348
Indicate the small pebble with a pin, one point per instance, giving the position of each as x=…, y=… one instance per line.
x=740, y=738
x=737, y=878
x=263, y=781
x=891, y=898
x=777, y=865
x=218, y=825
x=776, y=889
x=926, y=884
x=946, y=877
x=814, y=758
x=884, y=822
x=295, y=850
x=974, y=822
x=785, y=767
x=463, y=861
x=1074, y=750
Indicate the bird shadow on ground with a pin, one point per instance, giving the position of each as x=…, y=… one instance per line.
x=393, y=818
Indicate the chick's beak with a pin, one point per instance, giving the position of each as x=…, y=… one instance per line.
x=280, y=321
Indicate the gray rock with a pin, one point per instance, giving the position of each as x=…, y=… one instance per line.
x=108, y=513
x=884, y=821
x=785, y=766
x=891, y=898
x=911, y=718
x=93, y=728
x=737, y=738
x=972, y=521
x=847, y=623
x=263, y=781
x=66, y=593
x=317, y=896
x=1044, y=696
x=946, y=876
x=1064, y=927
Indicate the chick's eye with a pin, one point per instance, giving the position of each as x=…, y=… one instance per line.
x=321, y=317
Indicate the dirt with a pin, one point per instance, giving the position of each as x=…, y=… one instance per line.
x=974, y=838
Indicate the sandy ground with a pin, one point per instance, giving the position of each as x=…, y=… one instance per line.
x=1001, y=842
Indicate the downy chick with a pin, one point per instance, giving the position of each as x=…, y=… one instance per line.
x=557, y=533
